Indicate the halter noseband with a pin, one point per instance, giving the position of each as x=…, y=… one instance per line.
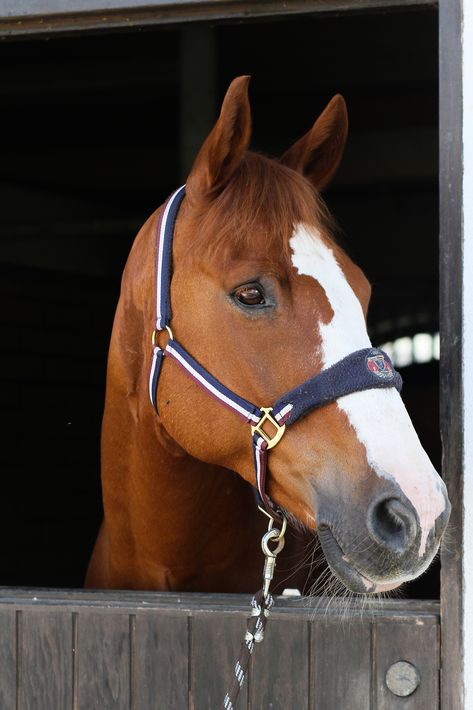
x=369, y=368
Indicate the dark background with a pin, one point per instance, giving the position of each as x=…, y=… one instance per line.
x=93, y=143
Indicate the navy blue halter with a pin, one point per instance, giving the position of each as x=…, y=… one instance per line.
x=365, y=369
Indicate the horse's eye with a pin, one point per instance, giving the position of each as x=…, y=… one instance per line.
x=250, y=295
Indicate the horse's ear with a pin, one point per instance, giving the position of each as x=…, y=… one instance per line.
x=225, y=146
x=318, y=154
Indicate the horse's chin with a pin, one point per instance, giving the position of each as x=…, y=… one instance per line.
x=345, y=572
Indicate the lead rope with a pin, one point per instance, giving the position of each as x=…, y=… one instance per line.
x=261, y=604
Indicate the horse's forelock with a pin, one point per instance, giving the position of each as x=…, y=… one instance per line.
x=255, y=215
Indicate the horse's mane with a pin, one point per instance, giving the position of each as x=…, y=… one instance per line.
x=256, y=213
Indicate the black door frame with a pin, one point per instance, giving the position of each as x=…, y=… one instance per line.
x=451, y=343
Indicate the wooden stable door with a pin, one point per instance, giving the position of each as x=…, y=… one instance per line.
x=131, y=651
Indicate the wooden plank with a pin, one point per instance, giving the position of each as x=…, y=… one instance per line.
x=279, y=673
x=340, y=665
x=451, y=329
x=35, y=19
x=417, y=644
x=215, y=641
x=46, y=660
x=160, y=661
x=175, y=602
x=103, y=661
x=8, y=658
x=22, y=8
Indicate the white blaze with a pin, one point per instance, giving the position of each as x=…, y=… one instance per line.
x=378, y=416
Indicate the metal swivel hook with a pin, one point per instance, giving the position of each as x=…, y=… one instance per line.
x=273, y=535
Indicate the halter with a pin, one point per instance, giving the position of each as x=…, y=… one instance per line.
x=365, y=369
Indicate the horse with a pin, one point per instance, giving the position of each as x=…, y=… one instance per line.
x=265, y=299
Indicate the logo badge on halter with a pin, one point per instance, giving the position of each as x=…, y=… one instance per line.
x=379, y=366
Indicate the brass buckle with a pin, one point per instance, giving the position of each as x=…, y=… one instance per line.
x=271, y=441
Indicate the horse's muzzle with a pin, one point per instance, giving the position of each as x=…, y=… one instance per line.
x=379, y=552
x=339, y=564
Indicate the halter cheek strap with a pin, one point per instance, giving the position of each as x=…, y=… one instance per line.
x=369, y=368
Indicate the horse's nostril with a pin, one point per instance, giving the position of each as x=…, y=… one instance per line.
x=393, y=524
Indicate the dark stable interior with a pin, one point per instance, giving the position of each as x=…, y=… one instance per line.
x=91, y=147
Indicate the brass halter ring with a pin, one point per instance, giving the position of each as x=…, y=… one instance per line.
x=156, y=333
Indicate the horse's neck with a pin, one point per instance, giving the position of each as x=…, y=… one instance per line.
x=168, y=516
x=171, y=521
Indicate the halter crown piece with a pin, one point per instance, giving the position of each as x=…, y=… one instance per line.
x=369, y=368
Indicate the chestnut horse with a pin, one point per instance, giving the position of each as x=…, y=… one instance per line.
x=264, y=298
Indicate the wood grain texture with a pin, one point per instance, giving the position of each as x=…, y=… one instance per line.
x=279, y=672
x=8, y=669
x=21, y=17
x=46, y=660
x=180, y=653
x=160, y=662
x=215, y=641
x=451, y=325
x=341, y=665
x=417, y=644
x=103, y=661
x=176, y=602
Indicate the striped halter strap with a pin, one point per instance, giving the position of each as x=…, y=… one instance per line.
x=361, y=370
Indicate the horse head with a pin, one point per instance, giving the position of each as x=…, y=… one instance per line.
x=264, y=298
